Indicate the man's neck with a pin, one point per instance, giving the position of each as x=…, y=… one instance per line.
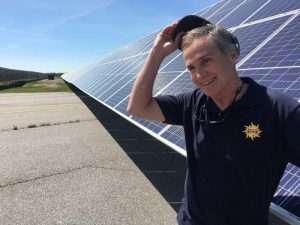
x=236, y=90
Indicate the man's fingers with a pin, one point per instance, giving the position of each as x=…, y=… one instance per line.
x=165, y=40
x=168, y=30
x=179, y=37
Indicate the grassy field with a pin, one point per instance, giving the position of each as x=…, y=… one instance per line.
x=56, y=85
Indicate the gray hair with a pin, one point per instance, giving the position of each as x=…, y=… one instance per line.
x=222, y=38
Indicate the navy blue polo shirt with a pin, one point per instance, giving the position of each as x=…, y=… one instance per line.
x=234, y=167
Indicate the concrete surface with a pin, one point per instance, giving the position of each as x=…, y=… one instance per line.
x=89, y=166
x=69, y=173
x=26, y=109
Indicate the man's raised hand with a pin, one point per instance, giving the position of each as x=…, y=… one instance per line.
x=164, y=45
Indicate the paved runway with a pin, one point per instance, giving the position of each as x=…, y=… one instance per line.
x=68, y=168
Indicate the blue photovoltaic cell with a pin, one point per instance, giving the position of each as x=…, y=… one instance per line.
x=100, y=75
x=275, y=7
x=81, y=83
x=87, y=73
x=156, y=127
x=115, y=87
x=98, y=79
x=211, y=9
x=202, y=11
x=122, y=106
x=116, y=82
x=128, y=50
x=287, y=195
x=240, y=14
x=105, y=68
x=294, y=90
x=118, y=54
x=91, y=76
x=282, y=79
x=121, y=94
x=252, y=36
x=147, y=46
x=104, y=82
x=180, y=85
x=163, y=79
x=224, y=11
x=125, y=65
x=275, y=65
x=177, y=64
x=175, y=134
x=97, y=84
x=281, y=50
x=169, y=59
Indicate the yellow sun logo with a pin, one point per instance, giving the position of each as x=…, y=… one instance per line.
x=252, y=131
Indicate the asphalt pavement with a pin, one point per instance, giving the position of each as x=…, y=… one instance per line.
x=61, y=165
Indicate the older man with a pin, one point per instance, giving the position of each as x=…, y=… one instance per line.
x=239, y=135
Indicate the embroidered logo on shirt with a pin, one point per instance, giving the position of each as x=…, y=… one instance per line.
x=252, y=131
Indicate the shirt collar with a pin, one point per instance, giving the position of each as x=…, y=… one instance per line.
x=253, y=96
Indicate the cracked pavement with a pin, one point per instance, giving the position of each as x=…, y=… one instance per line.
x=70, y=173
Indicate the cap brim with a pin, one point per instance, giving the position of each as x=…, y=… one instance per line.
x=188, y=23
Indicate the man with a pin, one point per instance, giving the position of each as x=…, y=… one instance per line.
x=239, y=135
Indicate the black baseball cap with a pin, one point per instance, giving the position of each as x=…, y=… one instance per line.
x=191, y=22
x=188, y=23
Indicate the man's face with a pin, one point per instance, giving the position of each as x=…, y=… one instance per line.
x=211, y=70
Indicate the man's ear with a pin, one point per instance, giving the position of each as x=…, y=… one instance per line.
x=233, y=55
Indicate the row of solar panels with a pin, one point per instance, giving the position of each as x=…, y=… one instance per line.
x=269, y=35
x=10, y=75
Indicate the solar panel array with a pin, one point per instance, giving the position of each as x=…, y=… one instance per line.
x=269, y=35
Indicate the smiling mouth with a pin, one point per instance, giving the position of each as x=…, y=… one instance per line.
x=209, y=82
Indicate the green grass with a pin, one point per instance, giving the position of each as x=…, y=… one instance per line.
x=56, y=85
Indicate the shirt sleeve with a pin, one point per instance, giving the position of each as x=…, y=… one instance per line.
x=172, y=107
x=292, y=134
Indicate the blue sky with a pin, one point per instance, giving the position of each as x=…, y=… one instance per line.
x=65, y=35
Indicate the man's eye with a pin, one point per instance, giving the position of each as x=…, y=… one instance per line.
x=190, y=68
x=205, y=61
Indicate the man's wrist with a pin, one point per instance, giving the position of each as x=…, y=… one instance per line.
x=157, y=52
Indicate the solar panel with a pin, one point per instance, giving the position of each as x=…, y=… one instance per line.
x=183, y=83
x=211, y=10
x=228, y=8
x=281, y=50
x=153, y=126
x=287, y=194
x=269, y=35
x=250, y=37
x=245, y=10
x=276, y=7
x=283, y=79
x=175, y=134
x=121, y=94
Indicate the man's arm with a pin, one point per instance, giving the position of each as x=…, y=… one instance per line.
x=292, y=126
x=141, y=102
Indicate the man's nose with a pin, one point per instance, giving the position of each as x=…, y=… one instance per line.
x=200, y=72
